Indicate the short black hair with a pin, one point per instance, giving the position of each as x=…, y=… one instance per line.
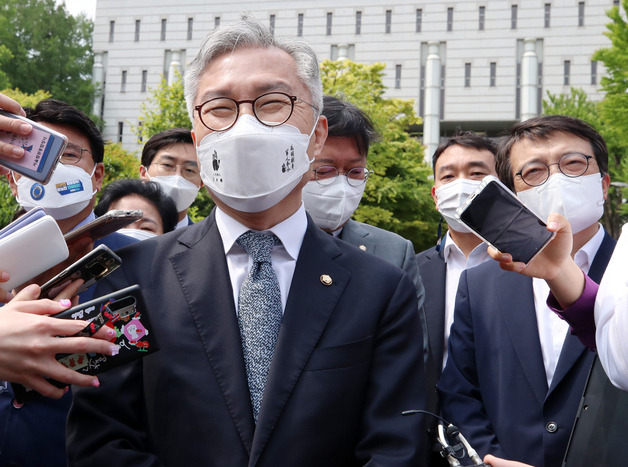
x=61, y=113
x=164, y=139
x=468, y=139
x=542, y=128
x=151, y=191
x=345, y=120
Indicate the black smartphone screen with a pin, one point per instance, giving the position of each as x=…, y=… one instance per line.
x=503, y=221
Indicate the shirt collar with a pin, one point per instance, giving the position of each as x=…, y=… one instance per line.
x=290, y=231
x=450, y=248
x=585, y=255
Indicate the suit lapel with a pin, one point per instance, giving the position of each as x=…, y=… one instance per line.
x=434, y=277
x=356, y=235
x=520, y=319
x=573, y=348
x=304, y=321
x=204, y=280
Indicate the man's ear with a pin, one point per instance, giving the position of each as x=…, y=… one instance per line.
x=98, y=177
x=434, y=197
x=143, y=173
x=606, y=181
x=319, y=137
x=12, y=184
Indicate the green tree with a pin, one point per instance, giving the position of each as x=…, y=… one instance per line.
x=24, y=99
x=398, y=197
x=50, y=49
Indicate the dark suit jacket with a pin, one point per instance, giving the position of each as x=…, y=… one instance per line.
x=347, y=362
x=34, y=435
x=494, y=386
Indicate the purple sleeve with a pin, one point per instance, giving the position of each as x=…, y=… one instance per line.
x=580, y=315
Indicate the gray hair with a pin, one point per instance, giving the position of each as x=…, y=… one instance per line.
x=249, y=32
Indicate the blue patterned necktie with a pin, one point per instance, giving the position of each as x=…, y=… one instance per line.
x=259, y=313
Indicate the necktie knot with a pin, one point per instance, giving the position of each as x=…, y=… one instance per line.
x=258, y=245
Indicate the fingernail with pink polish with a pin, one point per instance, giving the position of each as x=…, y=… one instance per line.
x=111, y=333
x=115, y=350
x=95, y=383
x=65, y=302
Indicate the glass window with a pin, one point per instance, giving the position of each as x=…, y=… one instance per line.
x=566, y=72
x=300, y=24
x=397, y=76
x=593, y=71
x=493, y=74
x=467, y=75
x=419, y=19
x=580, y=13
x=481, y=15
x=163, y=29
x=272, y=24
x=329, y=16
x=358, y=22
x=144, y=80
x=190, y=28
x=137, y=30
x=450, y=19
x=388, y=21
x=123, y=82
x=120, y=131
x=112, y=27
x=548, y=12
x=216, y=21
x=513, y=17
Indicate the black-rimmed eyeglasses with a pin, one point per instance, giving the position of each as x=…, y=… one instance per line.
x=326, y=175
x=271, y=109
x=73, y=155
x=571, y=165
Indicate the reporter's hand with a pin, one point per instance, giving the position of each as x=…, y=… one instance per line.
x=14, y=126
x=497, y=462
x=5, y=296
x=29, y=342
x=550, y=262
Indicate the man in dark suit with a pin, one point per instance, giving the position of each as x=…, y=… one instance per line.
x=337, y=181
x=514, y=376
x=169, y=159
x=78, y=177
x=459, y=164
x=346, y=358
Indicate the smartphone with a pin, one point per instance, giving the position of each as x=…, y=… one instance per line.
x=499, y=218
x=28, y=218
x=42, y=150
x=92, y=267
x=102, y=226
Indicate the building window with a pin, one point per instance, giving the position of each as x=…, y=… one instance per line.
x=140, y=137
x=493, y=74
x=144, y=80
x=616, y=3
x=481, y=15
x=137, y=30
x=566, y=72
x=163, y=29
x=419, y=19
x=467, y=75
x=397, y=76
x=112, y=28
x=123, y=82
x=120, y=131
x=190, y=28
x=358, y=22
x=300, y=24
x=216, y=21
x=593, y=71
x=580, y=13
x=388, y=21
x=513, y=17
x=272, y=24
x=450, y=19
x=329, y=24
x=548, y=12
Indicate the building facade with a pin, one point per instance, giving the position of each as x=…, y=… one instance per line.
x=478, y=65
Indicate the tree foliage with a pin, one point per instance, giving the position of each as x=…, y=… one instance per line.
x=398, y=197
x=164, y=109
x=49, y=49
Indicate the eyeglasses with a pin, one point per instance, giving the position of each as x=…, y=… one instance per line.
x=571, y=165
x=189, y=171
x=326, y=175
x=271, y=109
x=73, y=155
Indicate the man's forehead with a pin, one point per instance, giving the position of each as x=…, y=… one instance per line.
x=462, y=156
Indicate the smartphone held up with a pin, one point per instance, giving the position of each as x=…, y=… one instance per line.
x=500, y=219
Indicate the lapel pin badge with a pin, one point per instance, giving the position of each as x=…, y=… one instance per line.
x=362, y=247
x=326, y=279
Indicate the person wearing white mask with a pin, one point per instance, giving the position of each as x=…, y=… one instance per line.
x=69, y=197
x=515, y=374
x=280, y=344
x=169, y=159
x=159, y=213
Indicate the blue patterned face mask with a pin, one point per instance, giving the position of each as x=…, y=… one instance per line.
x=68, y=192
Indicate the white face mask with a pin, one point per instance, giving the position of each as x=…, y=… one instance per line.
x=251, y=167
x=137, y=233
x=183, y=192
x=332, y=205
x=451, y=196
x=580, y=200
x=68, y=192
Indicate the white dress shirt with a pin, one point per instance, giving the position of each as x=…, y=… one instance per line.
x=552, y=329
x=456, y=263
x=611, y=315
x=284, y=257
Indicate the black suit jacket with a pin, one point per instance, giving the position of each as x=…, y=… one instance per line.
x=347, y=362
x=494, y=386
